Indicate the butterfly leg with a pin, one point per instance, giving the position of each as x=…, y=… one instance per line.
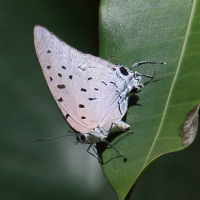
x=125, y=159
x=121, y=126
x=93, y=147
x=148, y=76
x=146, y=62
x=138, y=76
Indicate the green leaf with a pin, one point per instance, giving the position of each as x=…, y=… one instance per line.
x=164, y=116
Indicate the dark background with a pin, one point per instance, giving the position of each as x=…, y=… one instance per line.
x=58, y=169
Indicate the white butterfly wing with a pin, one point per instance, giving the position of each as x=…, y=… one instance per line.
x=56, y=59
x=89, y=91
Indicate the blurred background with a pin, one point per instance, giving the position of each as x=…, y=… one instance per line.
x=58, y=169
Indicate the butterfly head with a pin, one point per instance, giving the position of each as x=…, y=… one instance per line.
x=94, y=135
x=87, y=138
x=80, y=138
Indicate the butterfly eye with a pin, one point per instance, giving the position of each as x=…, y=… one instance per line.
x=83, y=137
x=80, y=137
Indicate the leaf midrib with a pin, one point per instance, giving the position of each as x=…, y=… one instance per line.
x=173, y=82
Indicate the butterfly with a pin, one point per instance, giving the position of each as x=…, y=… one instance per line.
x=90, y=92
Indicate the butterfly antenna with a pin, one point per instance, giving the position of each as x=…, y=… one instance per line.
x=38, y=140
x=147, y=62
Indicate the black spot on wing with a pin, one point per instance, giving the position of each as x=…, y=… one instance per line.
x=81, y=106
x=114, y=83
x=96, y=89
x=83, y=90
x=67, y=115
x=83, y=117
x=48, y=51
x=124, y=71
x=91, y=99
x=104, y=83
x=89, y=78
x=48, y=67
x=119, y=108
x=51, y=79
x=70, y=76
x=61, y=86
x=59, y=74
x=60, y=99
x=82, y=68
x=63, y=67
